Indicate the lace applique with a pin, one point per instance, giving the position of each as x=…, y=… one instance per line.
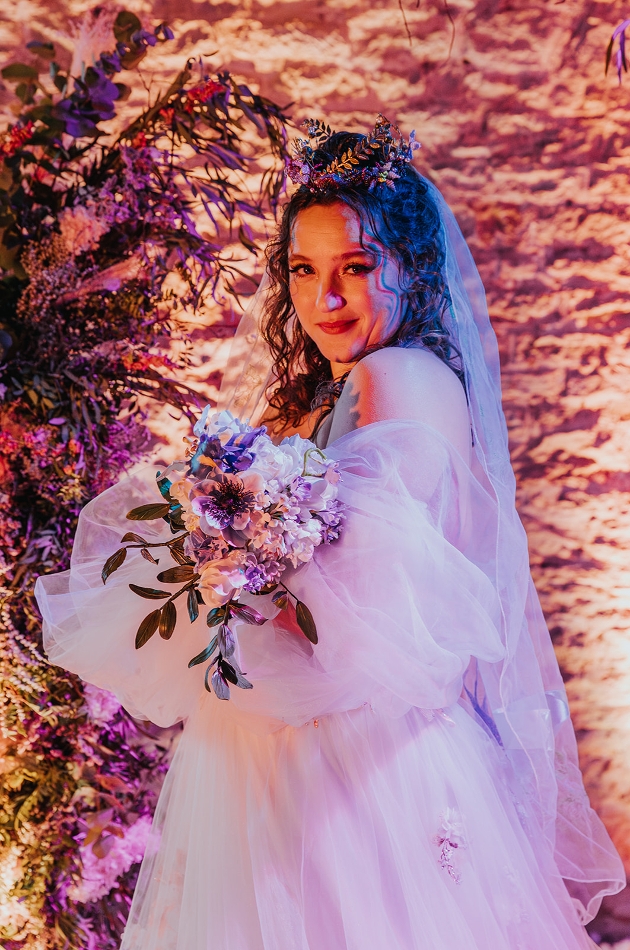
x=431, y=714
x=450, y=838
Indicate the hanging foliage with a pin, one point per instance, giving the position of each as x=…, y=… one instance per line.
x=101, y=247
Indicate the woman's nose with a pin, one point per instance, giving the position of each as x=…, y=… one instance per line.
x=328, y=298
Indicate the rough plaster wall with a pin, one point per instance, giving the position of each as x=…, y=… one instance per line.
x=529, y=142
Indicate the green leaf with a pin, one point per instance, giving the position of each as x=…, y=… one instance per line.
x=125, y=24
x=25, y=91
x=215, y=616
x=113, y=563
x=150, y=593
x=148, y=512
x=131, y=536
x=177, y=575
x=178, y=555
x=132, y=58
x=305, y=621
x=19, y=71
x=168, y=619
x=609, y=54
x=193, y=606
x=45, y=50
x=205, y=654
x=147, y=628
x=123, y=91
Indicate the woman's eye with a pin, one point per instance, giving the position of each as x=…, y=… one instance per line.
x=301, y=269
x=359, y=268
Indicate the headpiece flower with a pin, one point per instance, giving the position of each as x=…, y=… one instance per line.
x=377, y=159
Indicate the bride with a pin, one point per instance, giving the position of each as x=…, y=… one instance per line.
x=411, y=781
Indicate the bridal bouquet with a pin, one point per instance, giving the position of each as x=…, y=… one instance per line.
x=242, y=510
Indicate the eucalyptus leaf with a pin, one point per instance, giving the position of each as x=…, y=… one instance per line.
x=147, y=628
x=131, y=536
x=177, y=575
x=228, y=672
x=204, y=655
x=305, y=621
x=168, y=619
x=247, y=614
x=164, y=486
x=146, y=554
x=281, y=599
x=178, y=555
x=148, y=512
x=193, y=606
x=150, y=593
x=113, y=563
x=220, y=686
x=215, y=616
x=242, y=682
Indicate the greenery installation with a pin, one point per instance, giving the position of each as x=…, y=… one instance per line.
x=99, y=252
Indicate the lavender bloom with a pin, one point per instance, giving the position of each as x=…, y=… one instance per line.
x=330, y=519
x=300, y=489
x=261, y=573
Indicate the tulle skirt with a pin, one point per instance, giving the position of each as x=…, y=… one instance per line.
x=356, y=831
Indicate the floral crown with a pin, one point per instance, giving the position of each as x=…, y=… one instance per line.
x=377, y=159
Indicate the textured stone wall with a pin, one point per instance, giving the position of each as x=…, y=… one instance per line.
x=529, y=142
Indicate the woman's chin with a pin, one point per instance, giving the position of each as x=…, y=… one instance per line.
x=341, y=355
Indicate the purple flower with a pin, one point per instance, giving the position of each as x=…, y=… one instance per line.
x=261, y=573
x=300, y=489
x=226, y=502
x=330, y=518
x=203, y=548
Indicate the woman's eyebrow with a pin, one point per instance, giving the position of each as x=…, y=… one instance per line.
x=339, y=257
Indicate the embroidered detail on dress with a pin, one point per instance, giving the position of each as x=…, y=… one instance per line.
x=450, y=838
x=431, y=714
x=316, y=723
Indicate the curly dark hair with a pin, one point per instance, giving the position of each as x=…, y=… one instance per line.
x=406, y=221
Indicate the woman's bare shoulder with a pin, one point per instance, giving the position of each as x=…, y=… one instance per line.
x=405, y=383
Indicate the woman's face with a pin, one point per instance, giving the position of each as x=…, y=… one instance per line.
x=347, y=295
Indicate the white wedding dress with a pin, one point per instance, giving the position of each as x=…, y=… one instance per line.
x=349, y=801
x=410, y=782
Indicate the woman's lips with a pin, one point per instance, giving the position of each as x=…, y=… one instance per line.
x=336, y=326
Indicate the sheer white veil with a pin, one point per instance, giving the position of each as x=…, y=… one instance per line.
x=520, y=701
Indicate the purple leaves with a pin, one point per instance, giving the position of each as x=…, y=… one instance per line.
x=619, y=33
x=225, y=674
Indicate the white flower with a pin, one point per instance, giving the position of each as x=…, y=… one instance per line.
x=102, y=705
x=321, y=494
x=80, y=228
x=101, y=874
x=220, y=578
x=280, y=463
x=452, y=828
x=181, y=489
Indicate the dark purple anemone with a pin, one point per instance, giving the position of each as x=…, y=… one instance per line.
x=225, y=503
